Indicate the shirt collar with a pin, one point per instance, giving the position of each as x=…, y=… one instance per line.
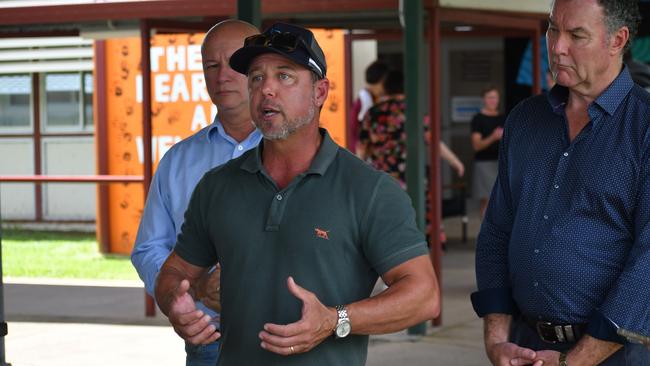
x=217, y=128
x=608, y=100
x=612, y=97
x=323, y=159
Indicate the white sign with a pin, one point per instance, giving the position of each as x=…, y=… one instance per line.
x=464, y=108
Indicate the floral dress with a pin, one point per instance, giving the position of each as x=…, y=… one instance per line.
x=383, y=131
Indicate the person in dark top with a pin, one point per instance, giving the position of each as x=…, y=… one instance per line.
x=563, y=252
x=487, y=129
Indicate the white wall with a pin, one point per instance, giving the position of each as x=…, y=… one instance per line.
x=528, y=6
x=449, y=45
x=69, y=156
x=17, y=199
x=364, y=52
x=457, y=135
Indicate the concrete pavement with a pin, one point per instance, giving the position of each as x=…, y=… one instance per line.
x=102, y=323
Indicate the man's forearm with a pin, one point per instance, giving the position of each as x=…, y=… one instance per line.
x=168, y=280
x=496, y=329
x=171, y=274
x=409, y=300
x=147, y=262
x=591, y=351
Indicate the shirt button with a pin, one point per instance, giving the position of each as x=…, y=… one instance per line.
x=536, y=251
x=566, y=154
x=556, y=186
x=278, y=197
x=545, y=217
x=240, y=148
x=535, y=284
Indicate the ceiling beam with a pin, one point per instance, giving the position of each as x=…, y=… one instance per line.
x=71, y=13
x=491, y=19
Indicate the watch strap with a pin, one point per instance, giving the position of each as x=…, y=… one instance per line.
x=342, y=323
x=342, y=312
x=562, y=361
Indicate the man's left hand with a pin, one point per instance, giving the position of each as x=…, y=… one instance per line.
x=316, y=324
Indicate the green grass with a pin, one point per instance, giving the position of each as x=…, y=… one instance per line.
x=60, y=255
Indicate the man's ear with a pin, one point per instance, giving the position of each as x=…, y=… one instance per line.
x=321, y=89
x=618, y=40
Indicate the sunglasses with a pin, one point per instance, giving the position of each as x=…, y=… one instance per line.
x=284, y=41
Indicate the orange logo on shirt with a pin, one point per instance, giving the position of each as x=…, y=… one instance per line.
x=322, y=233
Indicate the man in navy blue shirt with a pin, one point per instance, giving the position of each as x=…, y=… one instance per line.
x=563, y=256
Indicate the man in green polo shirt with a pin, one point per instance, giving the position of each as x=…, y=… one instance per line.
x=301, y=227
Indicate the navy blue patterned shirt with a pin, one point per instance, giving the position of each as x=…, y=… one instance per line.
x=566, y=236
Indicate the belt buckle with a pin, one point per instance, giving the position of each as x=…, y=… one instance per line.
x=541, y=333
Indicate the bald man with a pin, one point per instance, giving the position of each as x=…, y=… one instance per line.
x=230, y=135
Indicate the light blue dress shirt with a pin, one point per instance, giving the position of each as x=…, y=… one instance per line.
x=171, y=188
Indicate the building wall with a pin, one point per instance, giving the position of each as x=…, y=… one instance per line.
x=364, y=52
x=468, y=65
x=69, y=156
x=531, y=6
x=46, y=88
x=17, y=199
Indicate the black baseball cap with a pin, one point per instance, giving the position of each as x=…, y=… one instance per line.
x=293, y=42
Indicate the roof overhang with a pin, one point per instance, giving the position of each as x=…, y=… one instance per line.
x=105, y=18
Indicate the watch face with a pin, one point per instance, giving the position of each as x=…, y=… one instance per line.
x=343, y=329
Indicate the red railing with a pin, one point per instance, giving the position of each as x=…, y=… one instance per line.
x=72, y=178
x=99, y=179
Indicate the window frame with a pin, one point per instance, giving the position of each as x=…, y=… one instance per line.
x=83, y=127
x=29, y=128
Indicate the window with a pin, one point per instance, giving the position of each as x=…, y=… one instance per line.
x=62, y=99
x=68, y=101
x=15, y=96
x=88, y=99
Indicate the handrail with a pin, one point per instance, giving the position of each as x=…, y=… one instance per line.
x=72, y=178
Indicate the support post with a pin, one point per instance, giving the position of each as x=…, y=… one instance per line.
x=412, y=11
x=3, y=324
x=435, y=180
x=145, y=64
x=250, y=11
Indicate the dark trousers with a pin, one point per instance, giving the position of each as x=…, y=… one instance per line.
x=630, y=355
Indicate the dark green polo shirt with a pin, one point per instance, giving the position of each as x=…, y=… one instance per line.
x=333, y=228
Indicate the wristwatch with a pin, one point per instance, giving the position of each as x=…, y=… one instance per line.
x=563, y=359
x=343, y=326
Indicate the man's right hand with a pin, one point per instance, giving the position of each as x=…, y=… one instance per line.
x=189, y=323
x=510, y=354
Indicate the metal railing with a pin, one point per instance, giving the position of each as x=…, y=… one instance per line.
x=38, y=179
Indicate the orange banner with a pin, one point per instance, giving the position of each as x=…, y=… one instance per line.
x=180, y=107
x=333, y=114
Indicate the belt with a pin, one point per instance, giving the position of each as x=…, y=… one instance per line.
x=556, y=333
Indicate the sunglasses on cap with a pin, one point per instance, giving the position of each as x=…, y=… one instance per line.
x=283, y=41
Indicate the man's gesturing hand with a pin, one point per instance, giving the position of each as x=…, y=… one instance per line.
x=188, y=322
x=314, y=326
